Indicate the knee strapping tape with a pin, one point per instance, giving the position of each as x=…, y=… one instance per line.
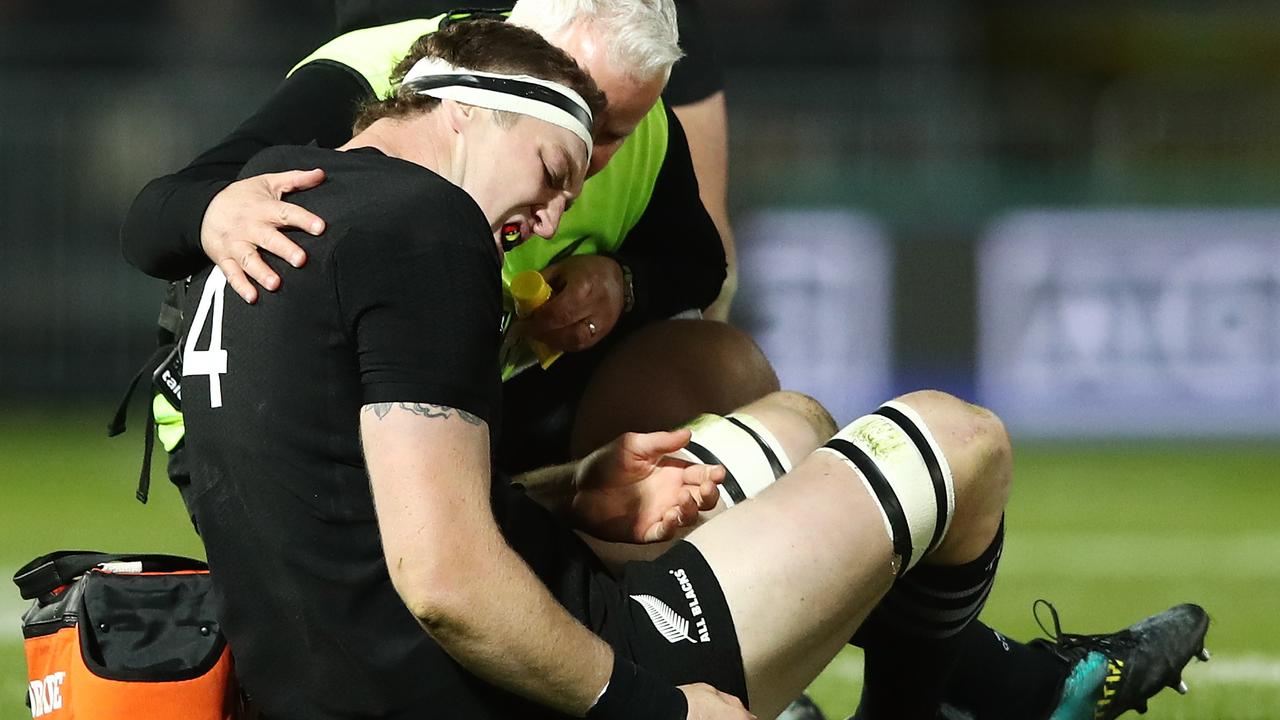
x=903, y=468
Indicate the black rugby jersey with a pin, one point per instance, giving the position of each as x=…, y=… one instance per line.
x=400, y=301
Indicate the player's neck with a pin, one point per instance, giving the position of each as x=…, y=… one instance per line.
x=419, y=140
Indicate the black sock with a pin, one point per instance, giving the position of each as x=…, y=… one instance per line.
x=1002, y=679
x=913, y=637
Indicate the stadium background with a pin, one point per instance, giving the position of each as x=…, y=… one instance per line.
x=915, y=181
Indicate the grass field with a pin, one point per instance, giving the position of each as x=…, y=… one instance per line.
x=1109, y=534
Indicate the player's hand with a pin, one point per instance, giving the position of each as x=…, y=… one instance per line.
x=585, y=304
x=629, y=491
x=708, y=703
x=246, y=216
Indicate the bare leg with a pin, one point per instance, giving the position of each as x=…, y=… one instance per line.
x=801, y=566
x=804, y=562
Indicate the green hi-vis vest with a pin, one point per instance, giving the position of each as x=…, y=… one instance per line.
x=609, y=206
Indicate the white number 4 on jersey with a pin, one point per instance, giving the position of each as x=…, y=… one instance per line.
x=212, y=361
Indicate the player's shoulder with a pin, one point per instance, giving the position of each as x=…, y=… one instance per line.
x=362, y=174
x=369, y=194
x=424, y=204
x=398, y=199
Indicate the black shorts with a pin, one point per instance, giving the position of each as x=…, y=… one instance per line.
x=668, y=615
x=675, y=622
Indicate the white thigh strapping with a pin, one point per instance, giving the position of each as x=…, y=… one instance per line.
x=752, y=457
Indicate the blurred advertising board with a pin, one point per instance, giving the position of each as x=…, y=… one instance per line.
x=1132, y=322
x=815, y=294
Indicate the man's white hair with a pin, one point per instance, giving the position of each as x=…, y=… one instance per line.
x=640, y=35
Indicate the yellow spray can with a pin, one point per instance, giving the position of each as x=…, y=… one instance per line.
x=530, y=290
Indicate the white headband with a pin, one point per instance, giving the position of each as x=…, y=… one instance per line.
x=535, y=97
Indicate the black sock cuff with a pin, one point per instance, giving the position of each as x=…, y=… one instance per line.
x=955, y=578
x=938, y=601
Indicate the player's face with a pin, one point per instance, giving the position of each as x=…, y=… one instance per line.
x=629, y=100
x=534, y=172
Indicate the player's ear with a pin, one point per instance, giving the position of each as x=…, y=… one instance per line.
x=459, y=115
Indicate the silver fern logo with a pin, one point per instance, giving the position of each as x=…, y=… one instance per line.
x=669, y=623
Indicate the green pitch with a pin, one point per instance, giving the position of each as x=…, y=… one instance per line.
x=1109, y=534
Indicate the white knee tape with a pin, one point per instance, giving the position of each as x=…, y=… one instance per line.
x=903, y=468
x=752, y=457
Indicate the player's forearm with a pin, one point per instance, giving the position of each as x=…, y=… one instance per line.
x=675, y=251
x=719, y=310
x=673, y=272
x=161, y=232
x=502, y=625
x=706, y=129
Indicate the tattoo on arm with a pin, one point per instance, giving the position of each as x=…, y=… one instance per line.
x=426, y=410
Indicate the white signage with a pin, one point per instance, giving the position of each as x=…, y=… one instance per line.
x=1132, y=322
x=815, y=293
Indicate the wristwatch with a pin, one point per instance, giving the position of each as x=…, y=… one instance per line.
x=628, y=287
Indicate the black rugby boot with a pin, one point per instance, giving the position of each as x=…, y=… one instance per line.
x=1117, y=672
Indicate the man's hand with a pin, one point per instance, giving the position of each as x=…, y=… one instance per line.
x=708, y=703
x=629, y=491
x=249, y=214
x=585, y=305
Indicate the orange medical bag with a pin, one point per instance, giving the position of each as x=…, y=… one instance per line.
x=124, y=636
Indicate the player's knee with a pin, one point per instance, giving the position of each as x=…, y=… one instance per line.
x=666, y=373
x=978, y=450
x=976, y=443
x=686, y=367
x=731, y=367
x=995, y=450
x=796, y=421
x=807, y=412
